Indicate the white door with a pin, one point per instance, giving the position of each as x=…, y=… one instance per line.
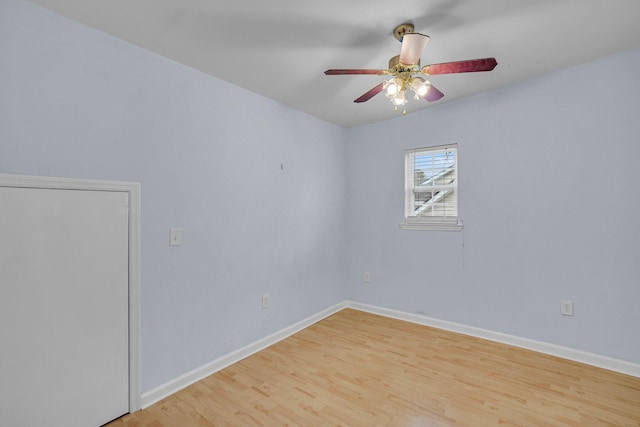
x=64, y=358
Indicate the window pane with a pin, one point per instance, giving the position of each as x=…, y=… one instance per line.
x=432, y=182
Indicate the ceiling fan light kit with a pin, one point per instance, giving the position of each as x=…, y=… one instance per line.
x=403, y=67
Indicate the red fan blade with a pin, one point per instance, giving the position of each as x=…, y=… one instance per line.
x=353, y=71
x=370, y=94
x=433, y=94
x=470, y=66
x=412, y=46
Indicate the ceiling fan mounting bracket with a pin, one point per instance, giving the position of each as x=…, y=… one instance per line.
x=401, y=30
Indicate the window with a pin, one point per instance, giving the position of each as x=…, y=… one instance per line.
x=431, y=188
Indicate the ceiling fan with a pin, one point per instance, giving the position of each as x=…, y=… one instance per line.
x=403, y=67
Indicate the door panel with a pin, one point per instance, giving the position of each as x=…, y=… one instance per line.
x=63, y=307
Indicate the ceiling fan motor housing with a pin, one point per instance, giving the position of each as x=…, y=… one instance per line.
x=396, y=67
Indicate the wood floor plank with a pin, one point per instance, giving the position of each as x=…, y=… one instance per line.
x=359, y=369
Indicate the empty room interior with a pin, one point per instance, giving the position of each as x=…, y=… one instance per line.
x=278, y=274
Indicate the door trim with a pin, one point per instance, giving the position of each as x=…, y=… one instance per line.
x=133, y=189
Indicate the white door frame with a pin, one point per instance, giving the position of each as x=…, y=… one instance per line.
x=133, y=188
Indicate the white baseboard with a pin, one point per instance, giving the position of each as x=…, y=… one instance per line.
x=152, y=396
x=592, y=359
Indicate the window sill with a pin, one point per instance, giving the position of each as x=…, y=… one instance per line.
x=432, y=226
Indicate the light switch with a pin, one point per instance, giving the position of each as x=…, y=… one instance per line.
x=175, y=237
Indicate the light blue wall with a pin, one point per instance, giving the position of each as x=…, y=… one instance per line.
x=75, y=102
x=550, y=201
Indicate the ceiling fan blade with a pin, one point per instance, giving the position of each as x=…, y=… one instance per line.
x=353, y=71
x=469, y=66
x=370, y=94
x=412, y=46
x=433, y=94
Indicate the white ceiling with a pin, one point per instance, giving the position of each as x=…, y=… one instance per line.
x=280, y=48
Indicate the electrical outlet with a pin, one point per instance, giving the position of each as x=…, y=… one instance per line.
x=566, y=308
x=367, y=276
x=265, y=301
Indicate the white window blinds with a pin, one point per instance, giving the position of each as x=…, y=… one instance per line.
x=431, y=188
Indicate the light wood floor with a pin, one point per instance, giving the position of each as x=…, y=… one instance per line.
x=359, y=369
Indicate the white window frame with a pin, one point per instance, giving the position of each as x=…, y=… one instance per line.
x=417, y=222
